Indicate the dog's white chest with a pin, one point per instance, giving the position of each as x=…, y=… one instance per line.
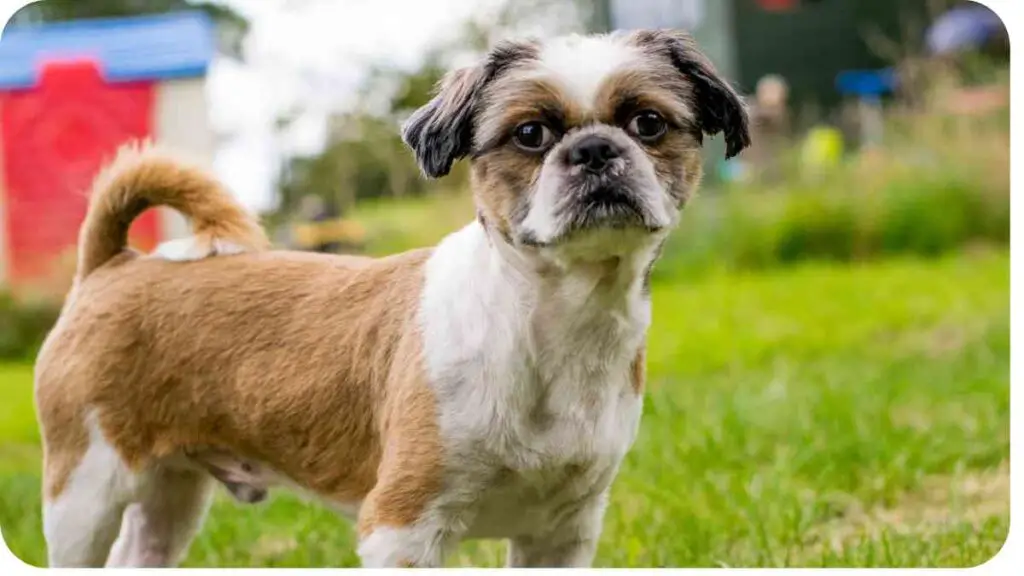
x=540, y=465
x=536, y=411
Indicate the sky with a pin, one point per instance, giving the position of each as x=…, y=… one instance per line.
x=312, y=54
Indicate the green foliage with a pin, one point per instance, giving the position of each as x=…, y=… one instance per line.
x=24, y=326
x=922, y=215
x=371, y=161
x=939, y=183
x=819, y=415
x=365, y=157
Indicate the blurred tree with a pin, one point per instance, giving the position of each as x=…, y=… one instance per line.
x=414, y=89
x=232, y=27
x=364, y=156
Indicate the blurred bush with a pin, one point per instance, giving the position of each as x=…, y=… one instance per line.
x=28, y=312
x=24, y=325
x=940, y=182
x=925, y=217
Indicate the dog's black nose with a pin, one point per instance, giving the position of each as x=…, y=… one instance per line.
x=593, y=153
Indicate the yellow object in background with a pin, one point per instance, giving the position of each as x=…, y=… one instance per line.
x=822, y=148
x=311, y=234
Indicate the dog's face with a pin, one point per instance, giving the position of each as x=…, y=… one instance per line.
x=581, y=143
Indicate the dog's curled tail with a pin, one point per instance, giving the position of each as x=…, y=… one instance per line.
x=141, y=178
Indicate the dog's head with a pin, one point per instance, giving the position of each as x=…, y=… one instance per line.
x=588, y=144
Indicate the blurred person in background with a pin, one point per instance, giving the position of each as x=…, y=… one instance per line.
x=771, y=126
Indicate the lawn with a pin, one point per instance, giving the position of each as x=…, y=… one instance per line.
x=820, y=415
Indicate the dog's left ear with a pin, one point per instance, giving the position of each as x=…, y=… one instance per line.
x=441, y=132
x=719, y=107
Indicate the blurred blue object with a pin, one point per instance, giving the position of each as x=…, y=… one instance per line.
x=868, y=87
x=732, y=170
x=176, y=45
x=866, y=84
x=963, y=28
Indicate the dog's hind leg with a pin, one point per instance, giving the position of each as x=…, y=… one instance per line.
x=164, y=518
x=82, y=509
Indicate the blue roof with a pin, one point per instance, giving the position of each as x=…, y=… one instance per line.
x=174, y=45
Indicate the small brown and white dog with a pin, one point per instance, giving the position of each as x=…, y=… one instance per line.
x=486, y=388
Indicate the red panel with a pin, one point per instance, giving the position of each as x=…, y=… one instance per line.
x=777, y=5
x=55, y=139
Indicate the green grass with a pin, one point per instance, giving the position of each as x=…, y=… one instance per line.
x=820, y=415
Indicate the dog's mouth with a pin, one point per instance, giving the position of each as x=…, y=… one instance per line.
x=604, y=207
x=608, y=206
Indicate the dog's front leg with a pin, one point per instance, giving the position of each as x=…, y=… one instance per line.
x=424, y=542
x=571, y=544
x=418, y=545
x=410, y=519
x=561, y=551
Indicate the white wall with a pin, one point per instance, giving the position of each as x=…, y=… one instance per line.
x=182, y=126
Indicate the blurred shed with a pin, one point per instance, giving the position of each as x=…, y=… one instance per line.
x=808, y=43
x=70, y=94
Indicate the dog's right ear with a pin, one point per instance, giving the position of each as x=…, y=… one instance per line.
x=441, y=132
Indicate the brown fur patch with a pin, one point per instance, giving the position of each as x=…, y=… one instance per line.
x=65, y=437
x=411, y=468
x=679, y=165
x=501, y=181
x=652, y=87
x=514, y=99
x=639, y=370
x=306, y=363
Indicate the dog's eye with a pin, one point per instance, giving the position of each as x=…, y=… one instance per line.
x=647, y=126
x=533, y=136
